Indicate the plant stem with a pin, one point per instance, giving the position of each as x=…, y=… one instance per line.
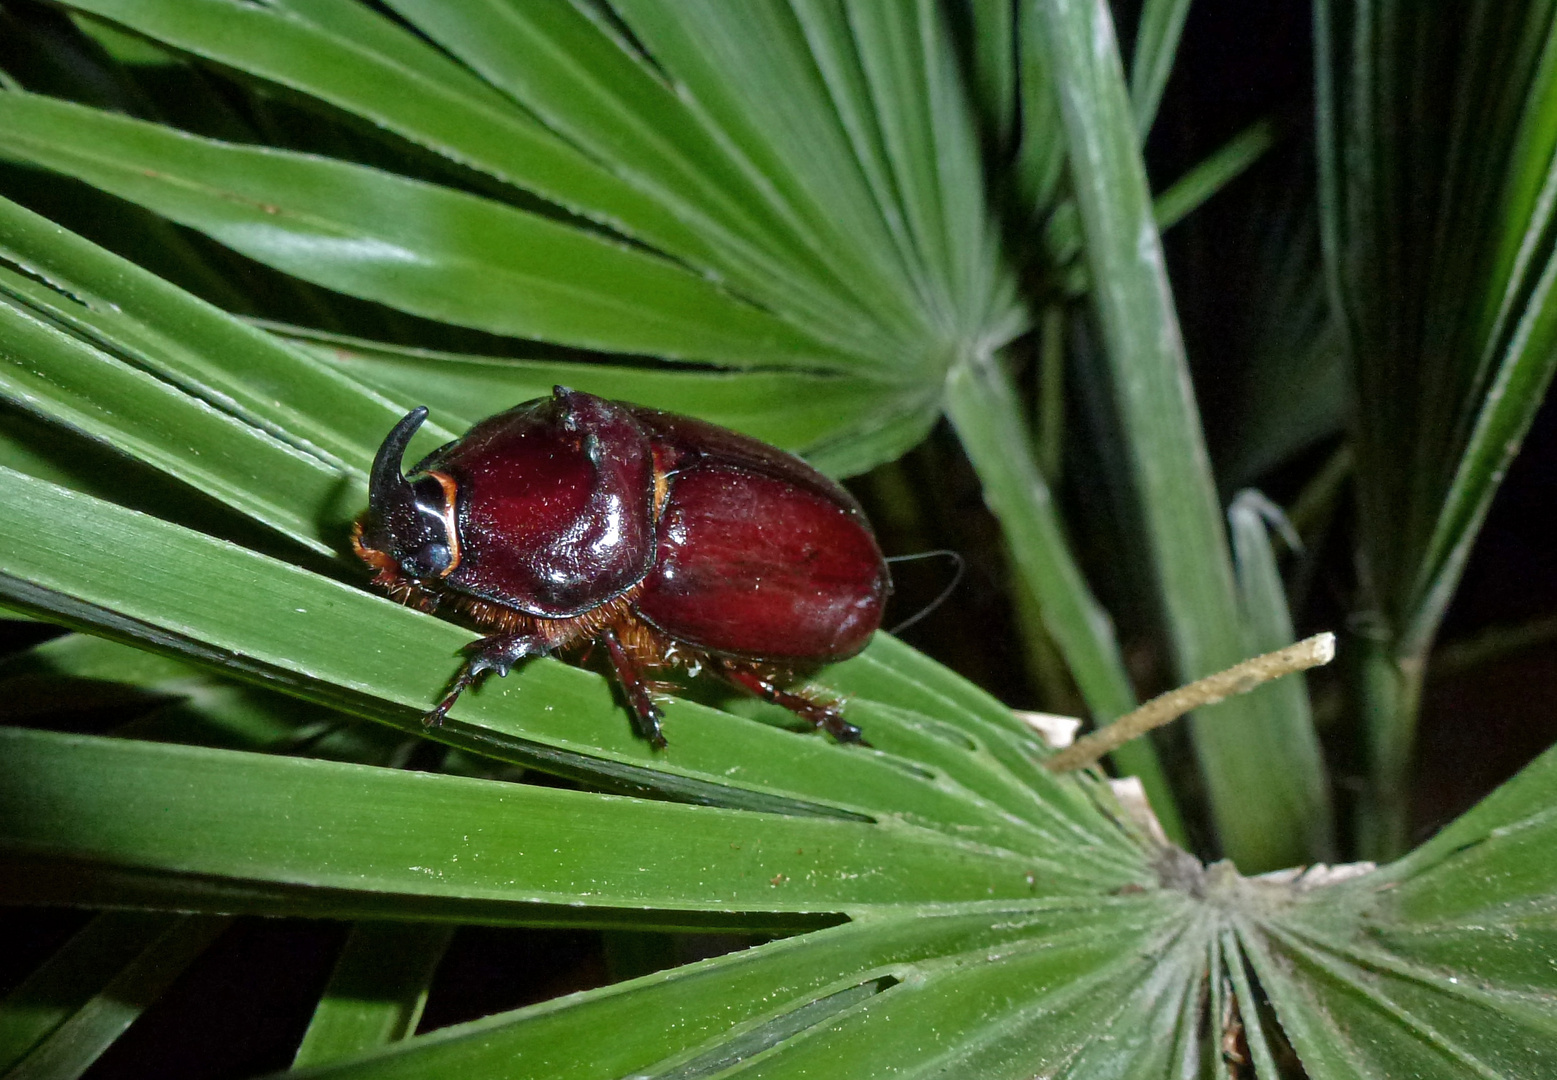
x=1166, y=708
x=982, y=406
x=1492, y=644
x=1316, y=501
x=1051, y=392
x=1229, y=161
x=1045, y=663
x=1388, y=691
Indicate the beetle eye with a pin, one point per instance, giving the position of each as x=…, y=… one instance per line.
x=430, y=560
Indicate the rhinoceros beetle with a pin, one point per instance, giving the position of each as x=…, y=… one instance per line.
x=670, y=541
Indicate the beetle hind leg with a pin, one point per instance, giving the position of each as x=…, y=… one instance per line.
x=646, y=714
x=821, y=714
x=498, y=653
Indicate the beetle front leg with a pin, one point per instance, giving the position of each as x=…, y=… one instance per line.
x=498, y=653
x=646, y=714
x=824, y=715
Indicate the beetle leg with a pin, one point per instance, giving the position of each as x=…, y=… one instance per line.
x=646, y=714
x=825, y=715
x=498, y=653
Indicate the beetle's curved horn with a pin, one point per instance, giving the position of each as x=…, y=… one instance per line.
x=388, y=490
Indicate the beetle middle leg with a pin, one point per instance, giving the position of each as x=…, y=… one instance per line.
x=824, y=715
x=498, y=653
x=646, y=714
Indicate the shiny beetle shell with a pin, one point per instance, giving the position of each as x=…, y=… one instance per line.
x=668, y=540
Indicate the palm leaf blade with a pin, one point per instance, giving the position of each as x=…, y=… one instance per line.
x=381, y=237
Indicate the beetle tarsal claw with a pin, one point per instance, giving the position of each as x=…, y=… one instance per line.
x=499, y=654
x=843, y=731
x=648, y=725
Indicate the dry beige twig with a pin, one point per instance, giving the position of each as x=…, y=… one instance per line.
x=1238, y=679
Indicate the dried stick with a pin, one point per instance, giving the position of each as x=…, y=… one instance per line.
x=1238, y=679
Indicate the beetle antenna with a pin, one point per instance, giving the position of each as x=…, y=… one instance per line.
x=941, y=553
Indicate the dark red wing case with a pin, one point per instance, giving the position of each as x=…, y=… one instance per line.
x=757, y=566
x=682, y=440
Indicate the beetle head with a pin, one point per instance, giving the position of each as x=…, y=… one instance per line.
x=409, y=532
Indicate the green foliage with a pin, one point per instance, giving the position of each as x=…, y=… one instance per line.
x=1163, y=445
x=1439, y=248
x=828, y=225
